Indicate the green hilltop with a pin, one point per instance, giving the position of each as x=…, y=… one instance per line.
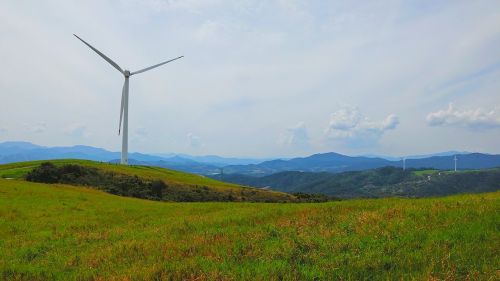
x=178, y=186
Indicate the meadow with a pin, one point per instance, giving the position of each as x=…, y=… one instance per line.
x=20, y=169
x=60, y=232
x=179, y=186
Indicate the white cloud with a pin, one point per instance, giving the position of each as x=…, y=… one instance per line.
x=141, y=132
x=38, y=127
x=478, y=118
x=140, y=136
x=295, y=137
x=207, y=31
x=349, y=126
x=194, y=141
x=390, y=122
x=77, y=130
x=344, y=119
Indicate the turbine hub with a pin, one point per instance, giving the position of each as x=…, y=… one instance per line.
x=126, y=73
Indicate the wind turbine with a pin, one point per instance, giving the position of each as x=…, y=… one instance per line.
x=124, y=104
x=455, y=159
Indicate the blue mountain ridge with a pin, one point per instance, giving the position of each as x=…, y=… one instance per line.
x=208, y=165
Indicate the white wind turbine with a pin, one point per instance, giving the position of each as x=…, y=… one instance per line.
x=124, y=106
x=455, y=159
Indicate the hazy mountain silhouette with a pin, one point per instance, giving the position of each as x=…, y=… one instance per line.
x=326, y=162
x=336, y=163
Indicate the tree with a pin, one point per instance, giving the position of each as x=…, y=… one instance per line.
x=157, y=187
x=46, y=173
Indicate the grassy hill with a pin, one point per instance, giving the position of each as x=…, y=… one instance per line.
x=180, y=186
x=380, y=182
x=60, y=232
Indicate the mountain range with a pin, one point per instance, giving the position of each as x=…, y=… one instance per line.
x=337, y=163
x=210, y=165
x=419, y=156
x=18, y=151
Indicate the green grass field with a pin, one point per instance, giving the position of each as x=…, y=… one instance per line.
x=20, y=169
x=433, y=172
x=57, y=232
x=428, y=172
x=178, y=181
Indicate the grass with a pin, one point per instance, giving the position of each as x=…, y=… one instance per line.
x=18, y=170
x=177, y=181
x=431, y=172
x=427, y=172
x=58, y=232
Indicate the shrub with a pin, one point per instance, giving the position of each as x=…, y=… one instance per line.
x=118, y=184
x=311, y=198
x=46, y=172
x=157, y=187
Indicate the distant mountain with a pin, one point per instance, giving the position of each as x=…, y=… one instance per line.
x=24, y=151
x=380, y=182
x=336, y=163
x=394, y=158
x=216, y=160
x=209, y=165
x=177, y=163
x=446, y=153
x=17, y=145
x=465, y=161
x=325, y=162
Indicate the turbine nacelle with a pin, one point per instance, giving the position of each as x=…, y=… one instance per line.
x=126, y=73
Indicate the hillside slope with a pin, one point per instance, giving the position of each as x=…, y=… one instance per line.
x=381, y=182
x=180, y=186
x=58, y=232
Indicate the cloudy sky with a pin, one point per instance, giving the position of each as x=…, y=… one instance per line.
x=260, y=78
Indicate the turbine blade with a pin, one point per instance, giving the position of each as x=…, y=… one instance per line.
x=124, y=90
x=114, y=64
x=154, y=66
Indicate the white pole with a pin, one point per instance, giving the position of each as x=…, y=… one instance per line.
x=455, y=163
x=404, y=164
x=124, y=159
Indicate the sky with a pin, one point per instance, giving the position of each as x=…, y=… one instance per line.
x=262, y=78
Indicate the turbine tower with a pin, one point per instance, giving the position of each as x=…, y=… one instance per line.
x=124, y=103
x=455, y=159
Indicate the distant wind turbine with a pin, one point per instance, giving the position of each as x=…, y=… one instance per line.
x=124, y=104
x=455, y=159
